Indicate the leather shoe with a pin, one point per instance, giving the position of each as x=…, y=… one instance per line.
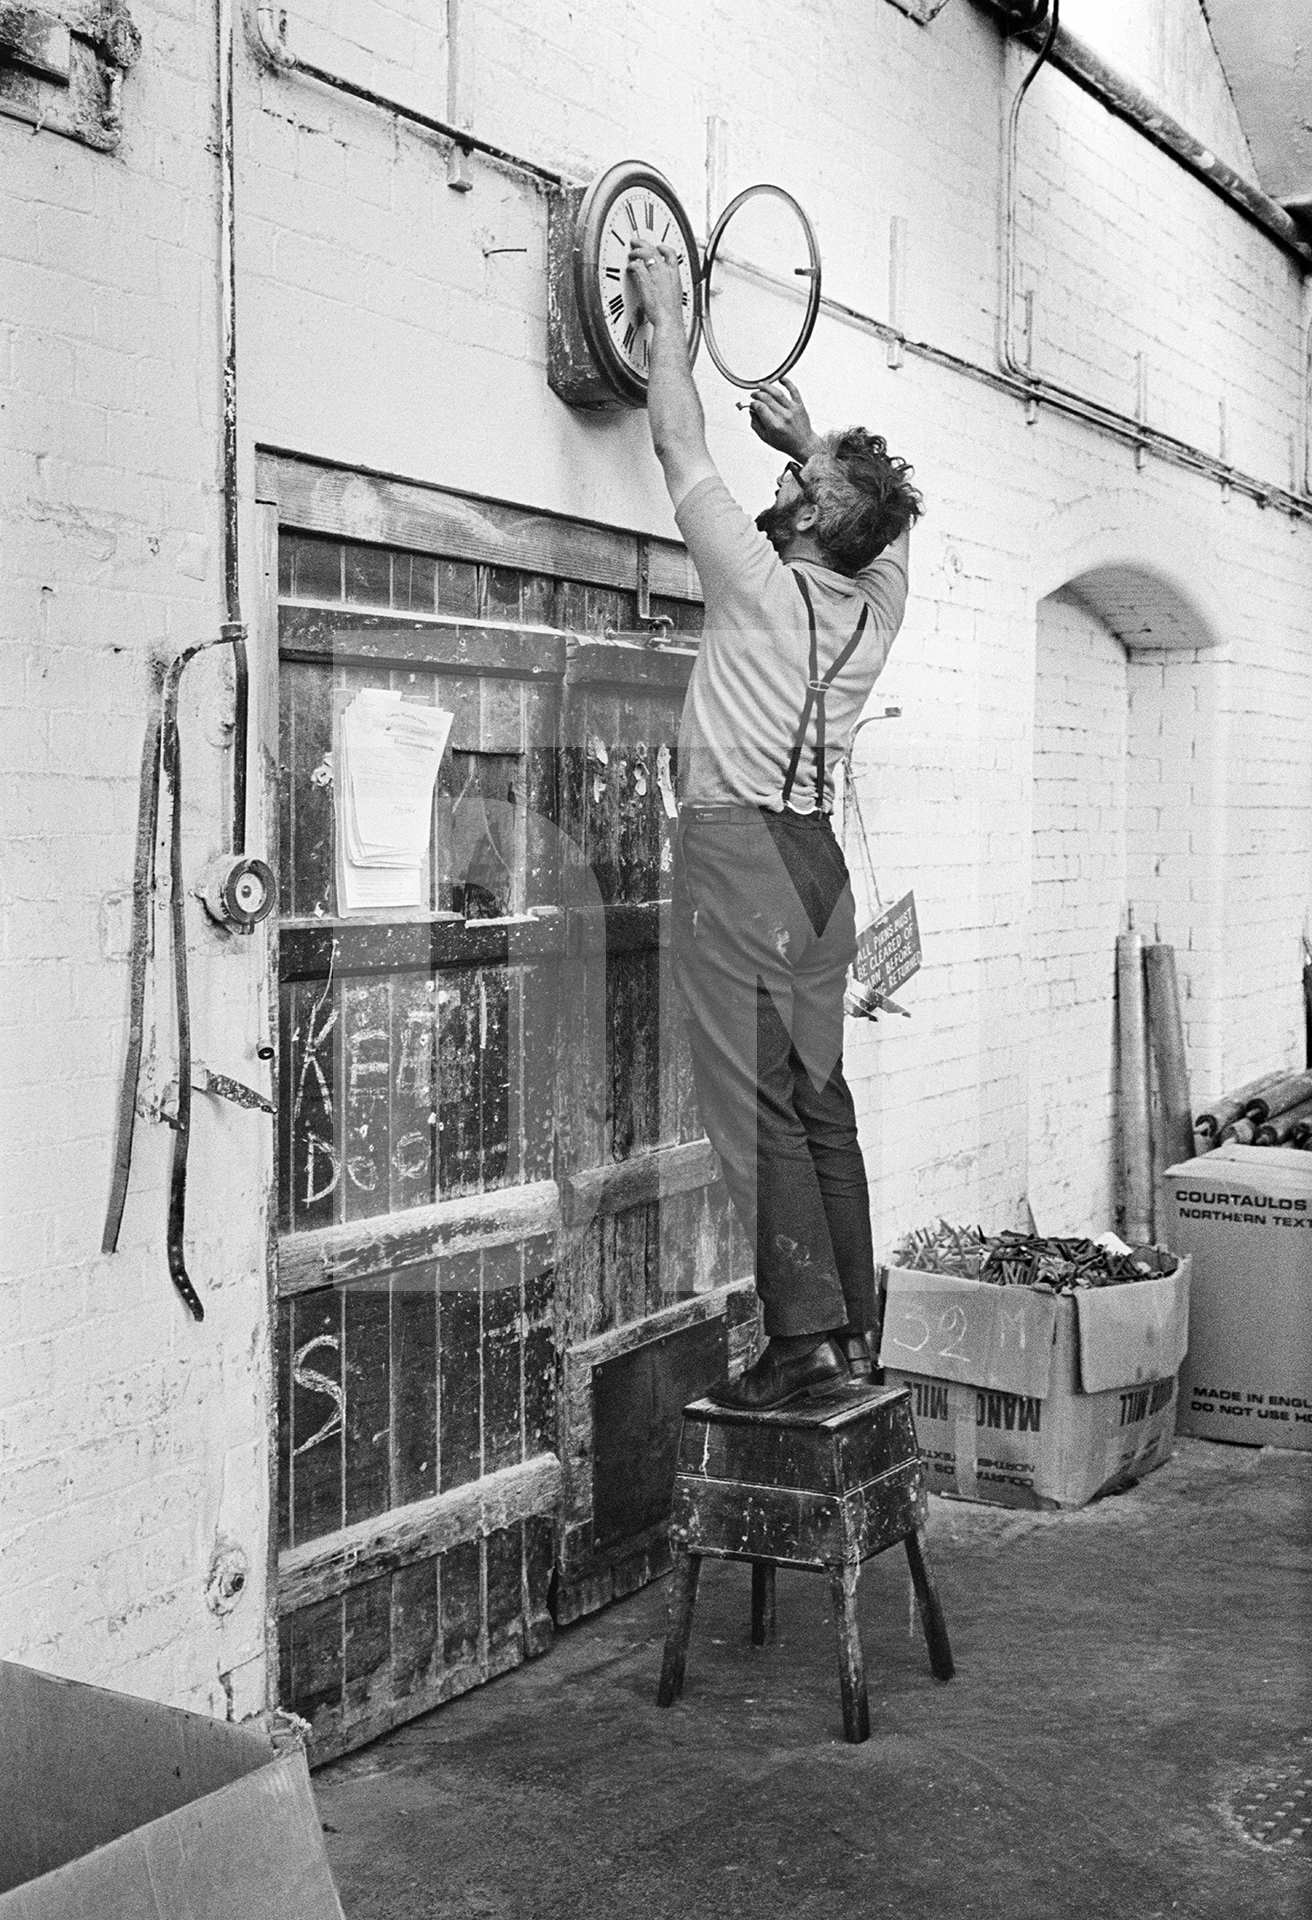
x=776, y=1379
x=859, y=1349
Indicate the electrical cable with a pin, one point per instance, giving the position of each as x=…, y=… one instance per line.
x=233, y=629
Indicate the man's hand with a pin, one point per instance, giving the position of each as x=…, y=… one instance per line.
x=654, y=272
x=780, y=418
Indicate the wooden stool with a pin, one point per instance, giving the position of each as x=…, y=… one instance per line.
x=822, y=1486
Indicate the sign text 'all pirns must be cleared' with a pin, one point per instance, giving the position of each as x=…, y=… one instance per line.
x=888, y=950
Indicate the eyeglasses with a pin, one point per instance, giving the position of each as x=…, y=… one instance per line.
x=794, y=467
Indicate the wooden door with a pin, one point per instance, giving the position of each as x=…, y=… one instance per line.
x=501, y=1257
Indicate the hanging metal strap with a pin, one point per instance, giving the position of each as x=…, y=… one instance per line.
x=816, y=689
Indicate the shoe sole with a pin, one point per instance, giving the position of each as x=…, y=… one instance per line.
x=822, y=1390
x=815, y=1394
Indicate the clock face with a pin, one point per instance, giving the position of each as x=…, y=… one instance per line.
x=638, y=213
x=630, y=202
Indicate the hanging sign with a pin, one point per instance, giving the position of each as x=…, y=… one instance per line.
x=888, y=950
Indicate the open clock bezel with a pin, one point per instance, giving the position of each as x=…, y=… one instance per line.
x=812, y=272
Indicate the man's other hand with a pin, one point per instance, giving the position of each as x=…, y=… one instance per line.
x=654, y=272
x=780, y=418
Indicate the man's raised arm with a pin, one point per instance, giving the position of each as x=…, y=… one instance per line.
x=674, y=408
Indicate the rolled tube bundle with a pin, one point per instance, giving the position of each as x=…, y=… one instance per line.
x=1266, y=1112
x=1291, y=1128
x=1285, y=1093
x=1232, y=1106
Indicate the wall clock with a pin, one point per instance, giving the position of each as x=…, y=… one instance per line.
x=598, y=347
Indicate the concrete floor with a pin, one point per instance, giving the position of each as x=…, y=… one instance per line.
x=1126, y=1677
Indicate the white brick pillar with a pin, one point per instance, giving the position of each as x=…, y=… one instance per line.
x=1077, y=896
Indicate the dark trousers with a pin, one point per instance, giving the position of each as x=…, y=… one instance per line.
x=764, y=931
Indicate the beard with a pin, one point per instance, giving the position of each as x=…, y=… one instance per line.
x=778, y=524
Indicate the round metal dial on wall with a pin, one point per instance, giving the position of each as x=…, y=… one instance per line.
x=237, y=891
x=599, y=346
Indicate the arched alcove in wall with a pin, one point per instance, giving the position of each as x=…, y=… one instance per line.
x=1126, y=784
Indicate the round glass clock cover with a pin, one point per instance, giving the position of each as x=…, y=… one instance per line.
x=761, y=286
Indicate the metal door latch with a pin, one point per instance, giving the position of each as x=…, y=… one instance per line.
x=204, y=1080
x=658, y=632
x=654, y=629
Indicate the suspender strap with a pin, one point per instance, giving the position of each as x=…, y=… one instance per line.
x=811, y=687
x=816, y=688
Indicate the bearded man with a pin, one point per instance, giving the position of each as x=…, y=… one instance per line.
x=800, y=612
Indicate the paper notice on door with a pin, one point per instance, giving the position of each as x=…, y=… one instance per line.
x=666, y=784
x=363, y=889
x=386, y=759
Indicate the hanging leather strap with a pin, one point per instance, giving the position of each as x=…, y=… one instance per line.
x=816, y=689
x=161, y=763
x=172, y=765
x=143, y=873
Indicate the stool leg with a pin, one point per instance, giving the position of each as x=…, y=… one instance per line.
x=931, y=1612
x=851, y=1666
x=762, y=1602
x=683, y=1598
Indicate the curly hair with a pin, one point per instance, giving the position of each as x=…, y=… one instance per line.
x=863, y=496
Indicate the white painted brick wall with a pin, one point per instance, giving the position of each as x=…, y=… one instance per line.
x=129, y=1440
x=376, y=331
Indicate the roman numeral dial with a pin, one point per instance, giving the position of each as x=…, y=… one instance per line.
x=610, y=358
x=640, y=213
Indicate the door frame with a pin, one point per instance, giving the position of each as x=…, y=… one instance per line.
x=300, y=493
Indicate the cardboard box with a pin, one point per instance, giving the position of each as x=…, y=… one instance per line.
x=1244, y=1214
x=1027, y=1399
x=118, y=1806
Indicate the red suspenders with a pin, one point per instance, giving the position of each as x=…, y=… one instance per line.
x=816, y=688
